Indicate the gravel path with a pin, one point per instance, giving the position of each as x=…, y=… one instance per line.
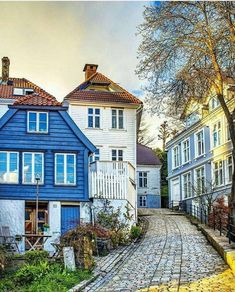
x=173, y=256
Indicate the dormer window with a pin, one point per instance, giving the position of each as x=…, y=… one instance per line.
x=37, y=122
x=22, y=91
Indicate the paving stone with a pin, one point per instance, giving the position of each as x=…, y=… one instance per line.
x=173, y=251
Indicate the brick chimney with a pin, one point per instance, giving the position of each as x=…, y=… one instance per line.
x=5, y=69
x=89, y=70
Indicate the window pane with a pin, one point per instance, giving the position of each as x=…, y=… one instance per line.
x=3, y=167
x=97, y=122
x=27, y=168
x=32, y=126
x=32, y=117
x=42, y=117
x=59, y=168
x=90, y=111
x=114, y=119
x=90, y=121
x=97, y=111
x=38, y=171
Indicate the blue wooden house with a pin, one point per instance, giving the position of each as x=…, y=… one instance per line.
x=44, y=153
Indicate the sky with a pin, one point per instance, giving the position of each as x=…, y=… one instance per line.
x=49, y=43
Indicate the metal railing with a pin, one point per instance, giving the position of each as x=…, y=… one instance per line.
x=221, y=222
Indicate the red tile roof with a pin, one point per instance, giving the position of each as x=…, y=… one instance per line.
x=146, y=156
x=6, y=90
x=83, y=93
x=37, y=99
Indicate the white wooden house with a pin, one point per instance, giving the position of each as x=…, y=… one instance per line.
x=109, y=116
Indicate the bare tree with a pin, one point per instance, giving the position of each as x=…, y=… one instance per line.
x=188, y=49
x=144, y=137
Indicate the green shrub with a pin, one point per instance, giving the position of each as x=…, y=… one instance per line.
x=34, y=257
x=135, y=231
x=30, y=273
x=3, y=259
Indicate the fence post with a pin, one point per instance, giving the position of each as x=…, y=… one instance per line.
x=220, y=226
x=201, y=215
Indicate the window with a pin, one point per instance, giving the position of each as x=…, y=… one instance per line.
x=192, y=119
x=117, y=155
x=185, y=150
x=93, y=118
x=187, y=185
x=65, y=169
x=228, y=135
x=38, y=122
x=218, y=173
x=214, y=103
x=176, y=158
x=117, y=119
x=143, y=179
x=95, y=156
x=33, y=164
x=216, y=134
x=22, y=91
x=9, y=167
x=143, y=201
x=200, y=180
x=229, y=168
x=199, y=143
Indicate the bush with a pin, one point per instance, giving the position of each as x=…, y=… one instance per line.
x=135, y=232
x=34, y=257
x=30, y=273
x=219, y=215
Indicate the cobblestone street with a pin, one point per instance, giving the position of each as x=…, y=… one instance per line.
x=173, y=256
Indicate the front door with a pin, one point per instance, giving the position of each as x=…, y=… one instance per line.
x=175, y=190
x=30, y=217
x=70, y=217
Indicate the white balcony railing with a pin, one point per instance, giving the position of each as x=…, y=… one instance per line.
x=112, y=180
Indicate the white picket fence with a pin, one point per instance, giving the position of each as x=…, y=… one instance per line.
x=108, y=185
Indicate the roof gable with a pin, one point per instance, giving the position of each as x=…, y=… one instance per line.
x=111, y=93
x=37, y=99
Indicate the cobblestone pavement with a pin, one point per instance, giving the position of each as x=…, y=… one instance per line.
x=173, y=256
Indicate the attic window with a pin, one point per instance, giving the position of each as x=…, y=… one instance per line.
x=22, y=91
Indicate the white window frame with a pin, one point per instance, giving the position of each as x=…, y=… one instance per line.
x=227, y=181
x=144, y=199
x=93, y=115
x=195, y=177
x=173, y=157
x=220, y=183
x=8, y=166
x=117, y=118
x=22, y=91
x=189, y=187
x=65, y=169
x=117, y=155
x=142, y=177
x=196, y=143
x=219, y=134
x=37, y=122
x=182, y=150
x=33, y=181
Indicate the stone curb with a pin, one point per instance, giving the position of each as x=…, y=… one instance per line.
x=84, y=283
x=220, y=243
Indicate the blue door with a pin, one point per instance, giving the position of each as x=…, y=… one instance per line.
x=70, y=217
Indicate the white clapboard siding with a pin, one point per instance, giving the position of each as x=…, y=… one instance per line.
x=108, y=185
x=107, y=138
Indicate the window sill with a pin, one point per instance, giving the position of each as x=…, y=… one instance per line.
x=38, y=133
x=9, y=183
x=118, y=130
x=200, y=156
x=97, y=129
x=32, y=184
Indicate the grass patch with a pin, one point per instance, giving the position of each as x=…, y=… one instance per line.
x=42, y=277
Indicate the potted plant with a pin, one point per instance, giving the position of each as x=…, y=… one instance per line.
x=40, y=231
x=46, y=227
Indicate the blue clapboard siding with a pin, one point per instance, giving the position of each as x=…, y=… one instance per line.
x=62, y=137
x=70, y=217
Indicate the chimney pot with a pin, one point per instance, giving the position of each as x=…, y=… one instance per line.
x=89, y=70
x=5, y=69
